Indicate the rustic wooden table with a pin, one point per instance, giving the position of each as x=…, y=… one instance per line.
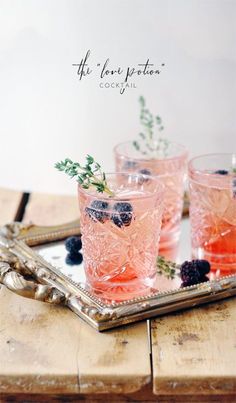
x=49, y=354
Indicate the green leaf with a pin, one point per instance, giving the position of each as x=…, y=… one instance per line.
x=86, y=176
x=68, y=161
x=142, y=135
x=150, y=143
x=136, y=145
x=90, y=159
x=142, y=101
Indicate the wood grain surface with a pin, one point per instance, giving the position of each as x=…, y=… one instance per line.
x=43, y=209
x=9, y=204
x=48, y=349
x=47, y=354
x=195, y=351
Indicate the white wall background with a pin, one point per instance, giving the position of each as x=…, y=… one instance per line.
x=46, y=114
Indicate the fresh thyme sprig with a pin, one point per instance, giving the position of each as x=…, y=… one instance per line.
x=150, y=143
x=87, y=176
x=166, y=267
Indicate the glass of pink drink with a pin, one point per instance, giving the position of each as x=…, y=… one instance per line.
x=120, y=235
x=171, y=171
x=212, y=182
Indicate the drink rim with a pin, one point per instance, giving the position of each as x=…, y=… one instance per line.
x=203, y=156
x=97, y=195
x=198, y=175
x=182, y=154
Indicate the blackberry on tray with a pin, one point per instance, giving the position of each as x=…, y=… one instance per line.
x=73, y=244
x=194, y=272
x=74, y=258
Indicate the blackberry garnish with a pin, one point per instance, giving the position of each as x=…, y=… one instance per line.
x=100, y=204
x=95, y=211
x=74, y=258
x=234, y=187
x=123, y=214
x=73, y=244
x=117, y=220
x=129, y=164
x=194, y=272
x=144, y=172
x=221, y=172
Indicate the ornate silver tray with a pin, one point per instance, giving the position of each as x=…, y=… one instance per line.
x=32, y=264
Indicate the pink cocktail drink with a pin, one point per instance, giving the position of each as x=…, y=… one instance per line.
x=170, y=170
x=120, y=235
x=213, y=210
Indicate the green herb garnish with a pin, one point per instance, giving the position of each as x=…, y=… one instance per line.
x=150, y=143
x=166, y=267
x=87, y=176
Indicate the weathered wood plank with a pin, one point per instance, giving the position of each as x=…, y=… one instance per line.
x=9, y=204
x=38, y=347
x=144, y=396
x=49, y=350
x=194, y=352
x=43, y=209
x=115, y=361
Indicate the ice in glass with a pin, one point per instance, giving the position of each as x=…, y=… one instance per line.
x=170, y=170
x=213, y=210
x=120, y=235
